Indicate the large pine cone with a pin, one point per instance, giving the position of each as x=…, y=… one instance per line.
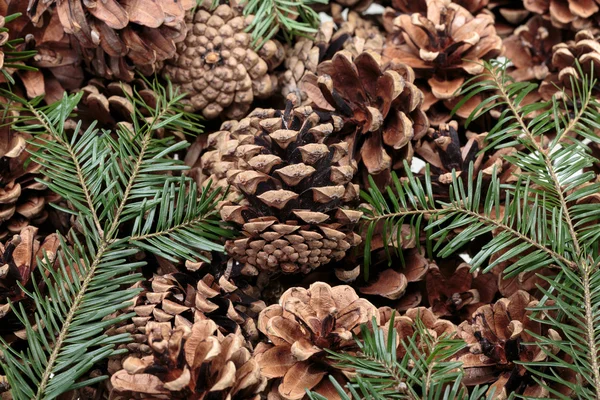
x=117, y=35
x=294, y=189
x=445, y=45
x=301, y=327
x=190, y=362
x=378, y=104
x=354, y=36
x=217, y=67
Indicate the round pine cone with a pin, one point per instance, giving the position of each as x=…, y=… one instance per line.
x=217, y=67
x=304, y=324
x=378, y=104
x=445, y=44
x=294, y=188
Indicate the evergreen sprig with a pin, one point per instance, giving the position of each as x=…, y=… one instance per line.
x=13, y=57
x=427, y=371
x=122, y=189
x=536, y=221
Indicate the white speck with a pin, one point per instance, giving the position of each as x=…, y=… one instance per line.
x=323, y=17
x=465, y=257
x=374, y=9
x=417, y=165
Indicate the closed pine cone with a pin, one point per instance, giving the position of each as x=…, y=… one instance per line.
x=354, y=35
x=445, y=45
x=190, y=362
x=294, y=190
x=216, y=65
x=585, y=49
x=117, y=35
x=378, y=104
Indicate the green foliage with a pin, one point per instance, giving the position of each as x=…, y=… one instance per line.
x=427, y=371
x=293, y=17
x=122, y=189
x=536, y=221
x=12, y=56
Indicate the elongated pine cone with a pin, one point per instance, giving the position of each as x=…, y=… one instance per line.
x=295, y=190
x=301, y=327
x=353, y=36
x=117, y=36
x=378, y=104
x=445, y=44
x=190, y=362
x=217, y=66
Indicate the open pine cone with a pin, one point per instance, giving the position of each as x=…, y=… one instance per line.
x=116, y=36
x=445, y=45
x=294, y=190
x=301, y=327
x=570, y=14
x=191, y=363
x=216, y=65
x=378, y=105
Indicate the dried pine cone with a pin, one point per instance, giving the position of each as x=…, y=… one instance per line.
x=354, y=36
x=571, y=14
x=116, y=36
x=216, y=65
x=190, y=362
x=529, y=49
x=445, y=45
x=508, y=14
x=294, y=190
x=378, y=105
x=301, y=327
x=585, y=49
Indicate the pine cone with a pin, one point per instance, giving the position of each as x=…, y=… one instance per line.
x=378, y=105
x=192, y=363
x=529, y=49
x=354, y=36
x=569, y=14
x=18, y=260
x=116, y=36
x=445, y=46
x=217, y=67
x=508, y=14
x=294, y=188
x=307, y=322
x=585, y=49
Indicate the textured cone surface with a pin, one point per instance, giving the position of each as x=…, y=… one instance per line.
x=379, y=106
x=567, y=14
x=217, y=66
x=445, y=44
x=353, y=36
x=190, y=362
x=301, y=327
x=294, y=190
x=117, y=36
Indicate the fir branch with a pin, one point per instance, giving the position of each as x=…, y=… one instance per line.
x=13, y=55
x=108, y=178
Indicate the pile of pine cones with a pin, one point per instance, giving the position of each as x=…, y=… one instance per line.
x=295, y=130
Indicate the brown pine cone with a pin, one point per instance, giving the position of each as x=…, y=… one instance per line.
x=117, y=36
x=354, y=36
x=301, y=327
x=508, y=15
x=378, y=105
x=570, y=14
x=445, y=45
x=190, y=362
x=216, y=65
x=294, y=188
x=585, y=49
x=529, y=49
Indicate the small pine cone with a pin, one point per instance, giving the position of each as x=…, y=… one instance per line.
x=378, y=105
x=354, y=36
x=18, y=260
x=190, y=362
x=217, y=67
x=585, y=49
x=301, y=327
x=445, y=45
x=294, y=189
x=529, y=49
x=113, y=35
x=567, y=14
